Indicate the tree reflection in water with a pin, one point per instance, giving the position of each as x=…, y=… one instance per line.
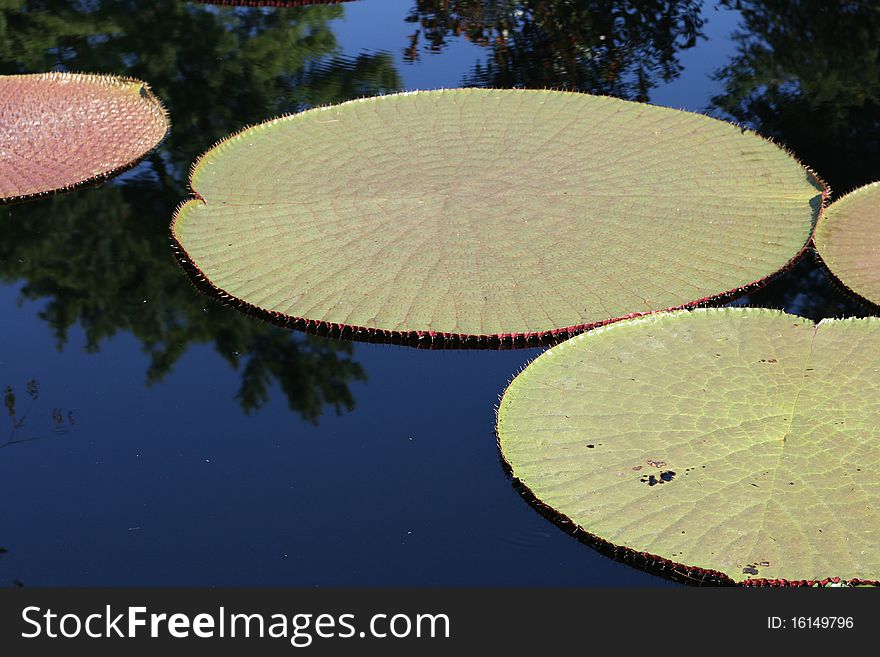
x=100, y=258
x=807, y=74
x=614, y=47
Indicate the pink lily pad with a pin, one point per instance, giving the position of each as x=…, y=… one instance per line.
x=62, y=130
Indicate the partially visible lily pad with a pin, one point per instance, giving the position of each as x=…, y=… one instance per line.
x=478, y=215
x=848, y=240
x=714, y=446
x=60, y=130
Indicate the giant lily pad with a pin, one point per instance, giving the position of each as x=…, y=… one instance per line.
x=722, y=445
x=489, y=214
x=59, y=130
x=848, y=239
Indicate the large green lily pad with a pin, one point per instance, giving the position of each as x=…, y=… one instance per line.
x=733, y=444
x=848, y=240
x=480, y=213
x=60, y=130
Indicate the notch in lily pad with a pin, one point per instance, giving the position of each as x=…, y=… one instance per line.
x=484, y=217
x=59, y=131
x=769, y=474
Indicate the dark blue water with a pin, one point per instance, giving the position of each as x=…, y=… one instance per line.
x=176, y=442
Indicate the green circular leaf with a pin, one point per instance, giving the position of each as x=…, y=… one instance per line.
x=848, y=239
x=59, y=130
x=480, y=212
x=739, y=441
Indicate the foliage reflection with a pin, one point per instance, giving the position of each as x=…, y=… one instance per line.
x=100, y=258
x=614, y=47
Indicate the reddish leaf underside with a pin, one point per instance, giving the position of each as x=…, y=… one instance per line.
x=60, y=130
